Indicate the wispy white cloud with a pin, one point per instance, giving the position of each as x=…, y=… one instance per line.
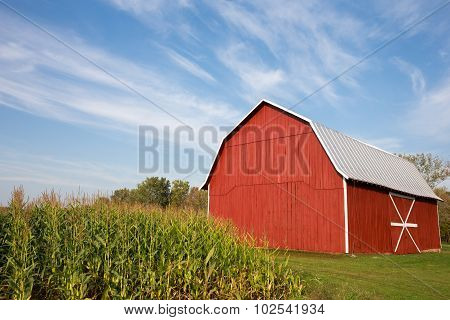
x=138, y=6
x=162, y=16
x=431, y=116
x=256, y=78
x=48, y=170
x=42, y=77
x=396, y=16
x=306, y=51
x=402, y=13
x=414, y=73
x=190, y=66
x=40, y=172
x=284, y=50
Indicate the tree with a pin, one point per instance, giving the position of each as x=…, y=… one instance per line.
x=154, y=190
x=121, y=195
x=197, y=199
x=444, y=213
x=179, y=193
x=433, y=169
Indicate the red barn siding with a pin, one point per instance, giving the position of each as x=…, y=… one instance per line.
x=370, y=213
x=368, y=222
x=291, y=209
x=426, y=216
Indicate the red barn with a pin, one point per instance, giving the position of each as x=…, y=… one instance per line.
x=299, y=185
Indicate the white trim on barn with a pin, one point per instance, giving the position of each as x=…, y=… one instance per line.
x=405, y=224
x=344, y=182
x=208, y=202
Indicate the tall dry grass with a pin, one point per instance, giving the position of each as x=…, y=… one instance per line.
x=90, y=249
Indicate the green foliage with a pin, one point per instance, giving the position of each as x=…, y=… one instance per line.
x=444, y=213
x=122, y=196
x=159, y=191
x=89, y=249
x=197, y=199
x=179, y=193
x=20, y=255
x=3, y=251
x=434, y=169
x=154, y=190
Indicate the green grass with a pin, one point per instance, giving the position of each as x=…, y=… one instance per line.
x=415, y=276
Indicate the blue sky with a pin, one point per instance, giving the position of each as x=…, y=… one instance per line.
x=65, y=124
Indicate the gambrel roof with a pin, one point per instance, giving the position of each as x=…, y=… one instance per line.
x=356, y=160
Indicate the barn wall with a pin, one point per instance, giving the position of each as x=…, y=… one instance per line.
x=263, y=185
x=426, y=215
x=370, y=213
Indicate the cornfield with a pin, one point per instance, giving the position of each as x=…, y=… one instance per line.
x=90, y=249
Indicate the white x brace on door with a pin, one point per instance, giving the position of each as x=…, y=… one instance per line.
x=404, y=223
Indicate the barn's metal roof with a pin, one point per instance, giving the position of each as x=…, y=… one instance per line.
x=360, y=161
x=357, y=160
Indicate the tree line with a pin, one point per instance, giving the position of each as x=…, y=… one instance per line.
x=435, y=171
x=161, y=192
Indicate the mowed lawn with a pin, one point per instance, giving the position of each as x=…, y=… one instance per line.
x=415, y=276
